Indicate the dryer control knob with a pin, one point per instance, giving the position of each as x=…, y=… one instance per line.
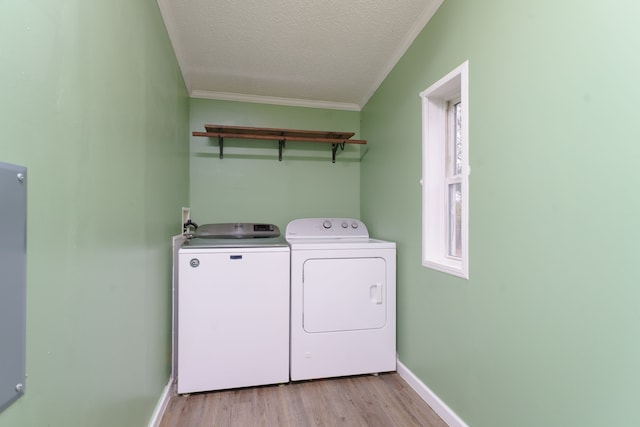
x=344, y=225
x=326, y=224
x=354, y=224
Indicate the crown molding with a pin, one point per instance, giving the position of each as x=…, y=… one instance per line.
x=291, y=102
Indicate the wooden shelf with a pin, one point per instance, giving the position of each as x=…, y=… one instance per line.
x=336, y=139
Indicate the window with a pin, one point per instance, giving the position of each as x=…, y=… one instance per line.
x=445, y=174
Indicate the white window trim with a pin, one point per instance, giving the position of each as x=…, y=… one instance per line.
x=434, y=138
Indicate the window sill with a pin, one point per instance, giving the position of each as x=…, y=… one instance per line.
x=452, y=267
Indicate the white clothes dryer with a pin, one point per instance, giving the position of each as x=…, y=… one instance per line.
x=343, y=299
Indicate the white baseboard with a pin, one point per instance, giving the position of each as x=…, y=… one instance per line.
x=440, y=408
x=162, y=404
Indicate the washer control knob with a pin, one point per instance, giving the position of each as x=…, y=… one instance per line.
x=344, y=224
x=326, y=224
x=354, y=224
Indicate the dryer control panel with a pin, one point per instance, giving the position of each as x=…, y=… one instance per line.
x=317, y=228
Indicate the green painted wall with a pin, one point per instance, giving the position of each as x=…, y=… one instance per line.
x=94, y=105
x=545, y=332
x=250, y=184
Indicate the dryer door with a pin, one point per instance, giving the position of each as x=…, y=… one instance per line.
x=344, y=294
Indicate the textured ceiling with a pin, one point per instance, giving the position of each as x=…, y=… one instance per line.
x=326, y=53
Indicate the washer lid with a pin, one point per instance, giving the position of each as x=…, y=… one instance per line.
x=272, y=242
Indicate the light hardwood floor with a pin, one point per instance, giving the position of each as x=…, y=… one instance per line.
x=363, y=401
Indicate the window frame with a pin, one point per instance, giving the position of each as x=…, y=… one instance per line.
x=436, y=134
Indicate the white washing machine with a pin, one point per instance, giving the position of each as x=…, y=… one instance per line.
x=343, y=299
x=233, y=309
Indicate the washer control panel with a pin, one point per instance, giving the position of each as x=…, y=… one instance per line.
x=236, y=230
x=312, y=228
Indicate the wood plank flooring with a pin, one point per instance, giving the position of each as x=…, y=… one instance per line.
x=363, y=401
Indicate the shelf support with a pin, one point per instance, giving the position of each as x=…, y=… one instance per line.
x=334, y=148
x=221, y=144
x=280, y=148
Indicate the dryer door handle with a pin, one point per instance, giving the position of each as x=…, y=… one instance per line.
x=375, y=293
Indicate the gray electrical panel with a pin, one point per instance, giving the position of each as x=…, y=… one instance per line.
x=13, y=282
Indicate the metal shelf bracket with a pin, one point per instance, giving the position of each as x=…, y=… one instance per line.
x=334, y=148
